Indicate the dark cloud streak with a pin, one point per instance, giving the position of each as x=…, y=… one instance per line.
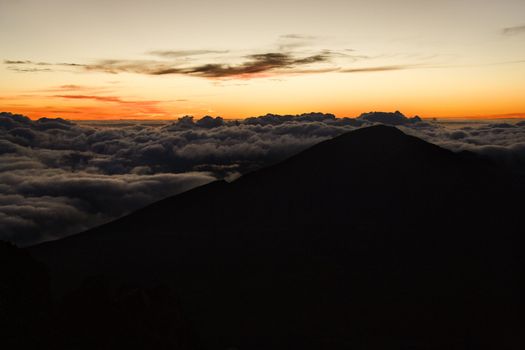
x=17, y=62
x=254, y=64
x=513, y=30
x=29, y=70
x=258, y=63
x=184, y=53
x=27, y=66
x=379, y=68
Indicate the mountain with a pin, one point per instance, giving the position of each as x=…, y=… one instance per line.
x=372, y=240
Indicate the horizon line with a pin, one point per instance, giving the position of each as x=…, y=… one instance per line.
x=175, y=118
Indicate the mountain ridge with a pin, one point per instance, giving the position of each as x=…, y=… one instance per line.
x=383, y=136
x=371, y=218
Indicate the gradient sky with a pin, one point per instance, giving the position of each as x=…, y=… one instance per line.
x=163, y=59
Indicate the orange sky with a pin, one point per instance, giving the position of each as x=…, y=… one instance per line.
x=164, y=59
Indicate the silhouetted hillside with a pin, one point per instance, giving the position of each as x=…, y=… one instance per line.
x=371, y=240
x=95, y=315
x=24, y=299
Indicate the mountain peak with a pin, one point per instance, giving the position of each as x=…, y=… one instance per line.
x=378, y=129
x=378, y=142
x=395, y=118
x=372, y=135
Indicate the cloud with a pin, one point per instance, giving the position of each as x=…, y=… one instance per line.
x=129, y=66
x=264, y=65
x=16, y=62
x=290, y=56
x=72, y=87
x=501, y=142
x=83, y=175
x=47, y=204
x=92, y=97
x=284, y=59
x=142, y=106
x=102, y=98
x=184, y=53
x=58, y=177
x=298, y=36
x=399, y=67
x=67, y=64
x=514, y=30
x=27, y=66
x=29, y=70
x=293, y=54
x=379, y=68
x=289, y=42
x=255, y=65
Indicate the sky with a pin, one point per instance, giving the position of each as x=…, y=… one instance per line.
x=129, y=59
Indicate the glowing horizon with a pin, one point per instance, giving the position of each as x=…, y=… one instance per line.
x=235, y=59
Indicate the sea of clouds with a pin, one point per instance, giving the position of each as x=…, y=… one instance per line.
x=59, y=177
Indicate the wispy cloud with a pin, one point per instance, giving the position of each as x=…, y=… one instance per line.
x=379, y=68
x=150, y=67
x=289, y=42
x=513, y=30
x=75, y=88
x=92, y=97
x=27, y=66
x=103, y=99
x=29, y=70
x=283, y=60
x=144, y=106
x=28, y=62
x=298, y=36
x=398, y=67
x=68, y=64
x=184, y=53
x=254, y=65
x=16, y=62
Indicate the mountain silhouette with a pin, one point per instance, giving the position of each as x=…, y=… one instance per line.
x=372, y=240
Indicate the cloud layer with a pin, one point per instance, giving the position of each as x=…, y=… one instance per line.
x=58, y=177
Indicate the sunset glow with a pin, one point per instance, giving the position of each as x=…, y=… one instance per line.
x=166, y=59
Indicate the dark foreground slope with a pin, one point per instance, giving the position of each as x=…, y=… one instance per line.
x=372, y=240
